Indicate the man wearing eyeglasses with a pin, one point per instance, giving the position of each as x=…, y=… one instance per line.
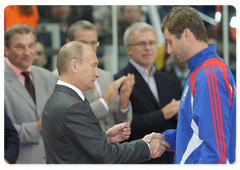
x=155, y=95
x=109, y=107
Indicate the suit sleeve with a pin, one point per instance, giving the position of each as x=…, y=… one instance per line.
x=85, y=132
x=11, y=140
x=99, y=110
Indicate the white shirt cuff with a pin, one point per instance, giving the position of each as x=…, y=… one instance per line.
x=104, y=103
x=125, y=111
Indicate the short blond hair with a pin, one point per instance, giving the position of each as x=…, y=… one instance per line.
x=71, y=50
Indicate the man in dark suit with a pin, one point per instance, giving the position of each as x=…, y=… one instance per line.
x=11, y=141
x=155, y=94
x=71, y=131
x=109, y=107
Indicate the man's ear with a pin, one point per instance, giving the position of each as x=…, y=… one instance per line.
x=73, y=65
x=67, y=40
x=128, y=48
x=187, y=34
x=6, y=50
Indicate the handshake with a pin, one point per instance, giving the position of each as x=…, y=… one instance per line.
x=122, y=131
x=157, y=143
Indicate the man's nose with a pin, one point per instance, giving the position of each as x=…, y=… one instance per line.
x=97, y=74
x=169, y=50
x=26, y=51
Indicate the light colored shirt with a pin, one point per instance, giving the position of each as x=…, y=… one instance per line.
x=18, y=72
x=149, y=78
x=77, y=90
x=96, y=84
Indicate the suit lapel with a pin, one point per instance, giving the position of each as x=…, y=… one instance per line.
x=141, y=83
x=67, y=90
x=17, y=86
x=39, y=86
x=159, y=83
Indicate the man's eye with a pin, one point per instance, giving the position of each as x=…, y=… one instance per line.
x=140, y=44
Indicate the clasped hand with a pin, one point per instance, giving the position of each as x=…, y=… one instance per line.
x=157, y=144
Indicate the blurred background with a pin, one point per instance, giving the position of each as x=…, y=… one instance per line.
x=52, y=22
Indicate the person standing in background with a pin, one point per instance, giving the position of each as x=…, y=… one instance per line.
x=40, y=57
x=26, y=89
x=155, y=95
x=18, y=13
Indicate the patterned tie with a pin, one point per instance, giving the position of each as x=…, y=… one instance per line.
x=29, y=85
x=87, y=102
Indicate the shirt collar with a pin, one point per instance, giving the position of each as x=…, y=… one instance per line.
x=143, y=70
x=78, y=91
x=17, y=70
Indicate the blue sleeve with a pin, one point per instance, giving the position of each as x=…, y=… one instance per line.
x=170, y=136
x=211, y=114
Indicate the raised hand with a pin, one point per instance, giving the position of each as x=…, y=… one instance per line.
x=112, y=90
x=126, y=90
x=171, y=109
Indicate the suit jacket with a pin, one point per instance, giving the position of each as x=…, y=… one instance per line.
x=72, y=134
x=147, y=114
x=24, y=113
x=11, y=140
x=114, y=116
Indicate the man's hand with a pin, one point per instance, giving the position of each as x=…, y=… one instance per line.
x=5, y=161
x=112, y=90
x=118, y=133
x=157, y=144
x=126, y=90
x=39, y=123
x=171, y=109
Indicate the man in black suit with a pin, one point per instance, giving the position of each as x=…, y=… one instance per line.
x=155, y=95
x=71, y=131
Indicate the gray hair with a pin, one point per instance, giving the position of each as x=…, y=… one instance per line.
x=17, y=29
x=71, y=50
x=138, y=26
x=82, y=24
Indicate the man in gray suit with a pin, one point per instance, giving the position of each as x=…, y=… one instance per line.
x=25, y=111
x=109, y=107
x=71, y=131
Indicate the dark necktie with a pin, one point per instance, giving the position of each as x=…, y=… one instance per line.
x=29, y=85
x=87, y=102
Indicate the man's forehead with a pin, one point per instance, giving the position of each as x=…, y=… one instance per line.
x=19, y=37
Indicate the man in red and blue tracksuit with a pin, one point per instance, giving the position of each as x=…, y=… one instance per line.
x=206, y=129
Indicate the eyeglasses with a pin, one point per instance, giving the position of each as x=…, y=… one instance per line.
x=144, y=44
x=93, y=43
